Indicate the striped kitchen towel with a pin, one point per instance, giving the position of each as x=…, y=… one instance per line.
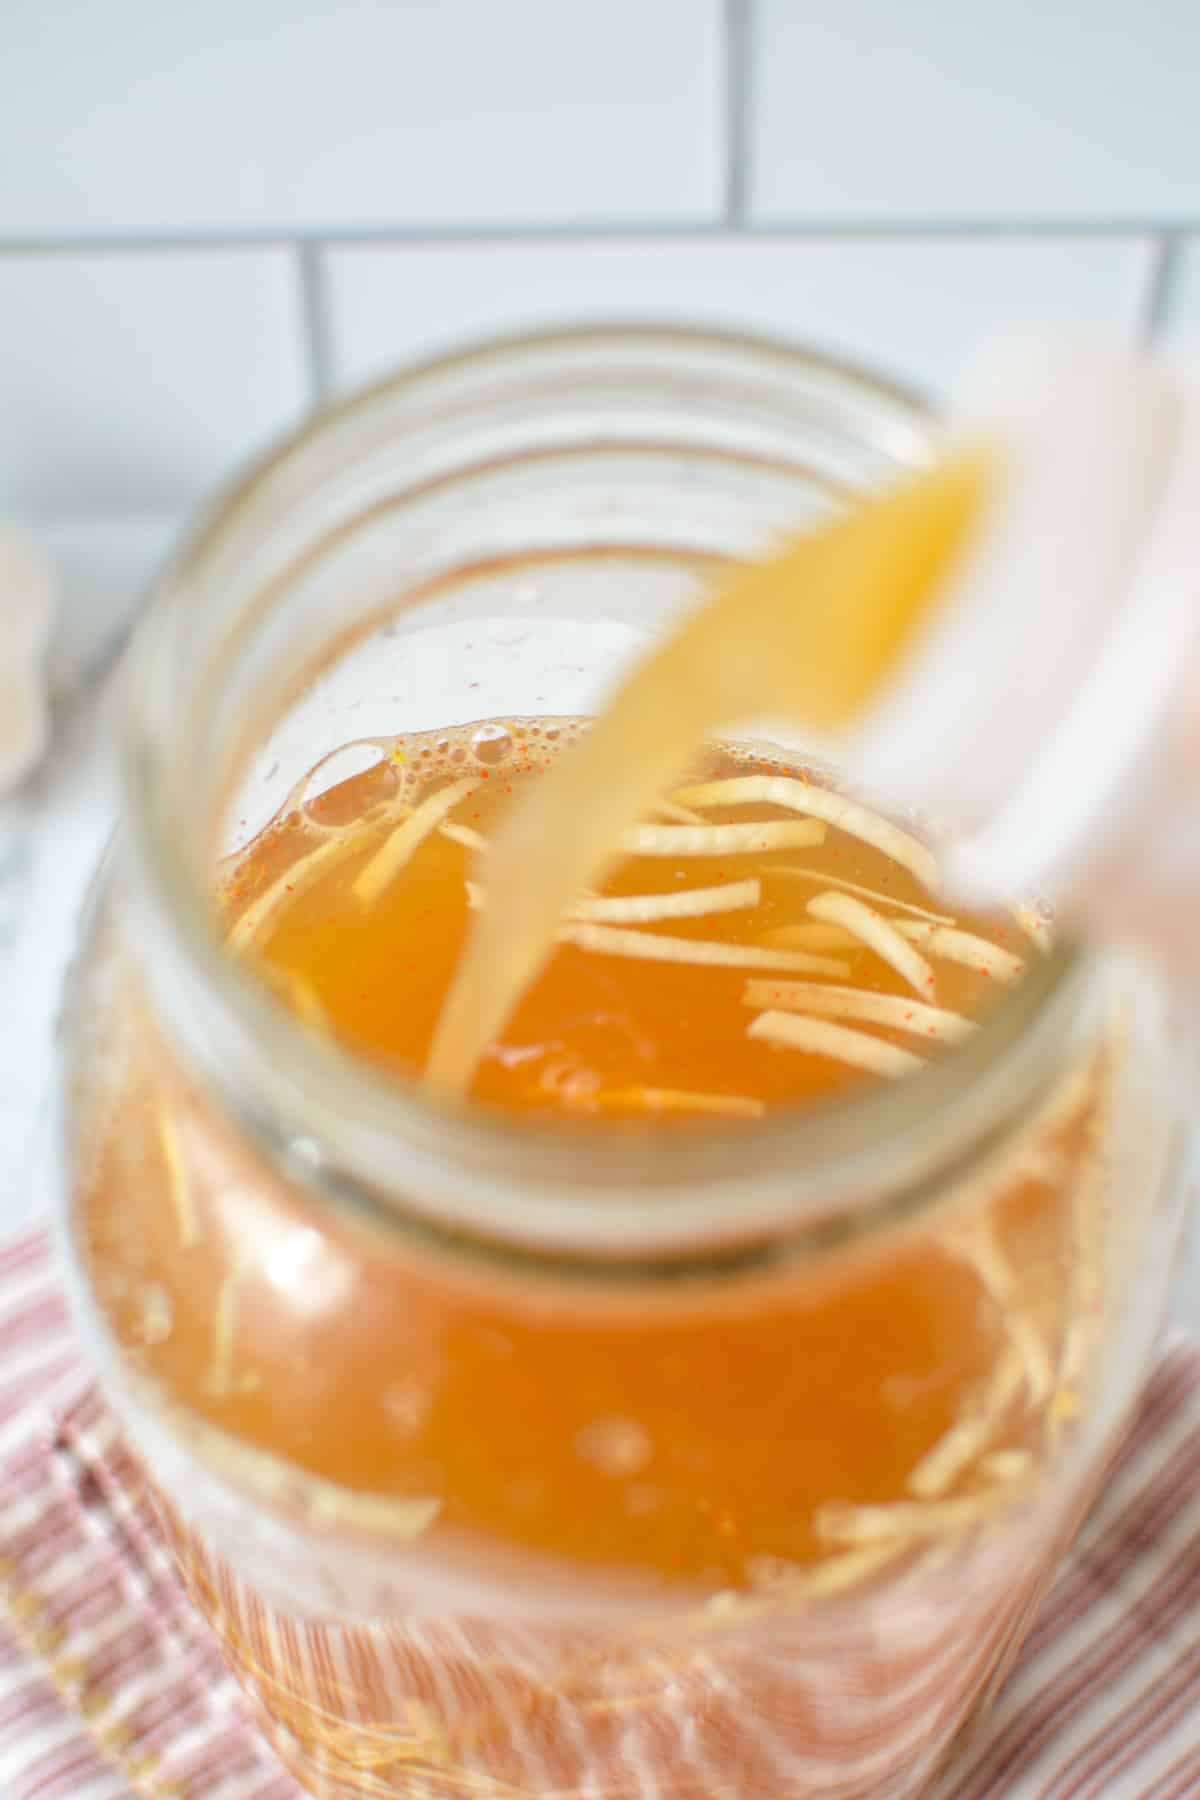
x=112, y=1686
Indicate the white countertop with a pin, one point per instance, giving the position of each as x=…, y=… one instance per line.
x=53, y=831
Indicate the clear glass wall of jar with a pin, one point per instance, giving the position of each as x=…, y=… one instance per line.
x=486, y=536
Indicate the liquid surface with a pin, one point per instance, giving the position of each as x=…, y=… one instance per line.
x=601, y=1030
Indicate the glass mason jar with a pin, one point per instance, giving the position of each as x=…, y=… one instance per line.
x=375, y=1291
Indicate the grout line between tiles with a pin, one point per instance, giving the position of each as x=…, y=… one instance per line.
x=314, y=313
x=573, y=231
x=738, y=103
x=1163, y=277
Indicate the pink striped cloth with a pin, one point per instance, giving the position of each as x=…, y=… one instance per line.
x=111, y=1685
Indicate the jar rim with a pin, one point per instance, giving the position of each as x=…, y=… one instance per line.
x=587, y=1199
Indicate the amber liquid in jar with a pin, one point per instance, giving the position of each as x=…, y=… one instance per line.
x=807, y=1429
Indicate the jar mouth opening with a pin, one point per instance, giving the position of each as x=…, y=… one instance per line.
x=365, y=1141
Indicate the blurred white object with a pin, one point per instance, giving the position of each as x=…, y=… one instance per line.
x=26, y=612
x=1048, y=715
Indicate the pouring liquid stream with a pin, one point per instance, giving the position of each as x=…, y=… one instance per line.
x=808, y=634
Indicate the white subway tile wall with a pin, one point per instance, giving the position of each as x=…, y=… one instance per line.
x=265, y=115
x=210, y=216
x=966, y=109
x=1181, y=327
x=133, y=380
x=910, y=306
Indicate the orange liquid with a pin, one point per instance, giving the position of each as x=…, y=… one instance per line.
x=694, y=1432
x=593, y=1027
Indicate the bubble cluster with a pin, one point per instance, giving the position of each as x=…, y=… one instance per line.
x=370, y=781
